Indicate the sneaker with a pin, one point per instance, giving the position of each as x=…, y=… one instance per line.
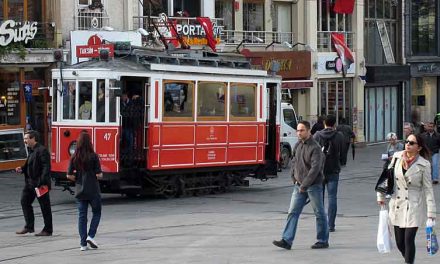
x=92, y=242
x=319, y=245
x=332, y=229
x=282, y=244
x=435, y=182
x=83, y=248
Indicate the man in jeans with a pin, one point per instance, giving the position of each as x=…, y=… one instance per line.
x=307, y=177
x=432, y=140
x=332, y=144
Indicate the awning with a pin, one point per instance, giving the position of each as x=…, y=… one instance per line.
x=296, y=84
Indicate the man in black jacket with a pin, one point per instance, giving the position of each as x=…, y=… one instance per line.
x=348, y=133
x=37, y=174
x=332, y=143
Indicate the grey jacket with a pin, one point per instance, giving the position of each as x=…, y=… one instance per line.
x=307, y=163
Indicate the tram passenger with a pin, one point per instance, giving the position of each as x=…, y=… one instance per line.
x=100, y=104
x=85, y=110
x=137, y=116
x=127, y=126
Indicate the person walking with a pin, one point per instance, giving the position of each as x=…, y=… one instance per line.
x=319, y=125
x=307, y=164
x=85, y=169
x=432, y=139
x=332, y=143
x=348, y=133
x=413, y=188
x=36, y=172
x=393, y=146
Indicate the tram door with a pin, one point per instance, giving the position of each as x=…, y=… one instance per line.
x=133, y=140
x=271, y=146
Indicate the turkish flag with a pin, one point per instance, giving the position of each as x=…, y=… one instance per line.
x=209, y=31
x=343, y=51
x=344, y=6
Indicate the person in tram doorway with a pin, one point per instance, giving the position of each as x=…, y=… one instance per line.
x=432, y=140
x=413, y=188
x=307, y=164
x=348, y=133
x=85, y=170
x=127, y=125
x=36, y=172
x=100, y=104
x=332, y=143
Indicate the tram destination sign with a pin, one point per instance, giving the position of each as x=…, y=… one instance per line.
x=94, y=45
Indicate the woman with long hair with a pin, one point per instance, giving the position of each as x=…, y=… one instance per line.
x=85, y=169
x=413, y=188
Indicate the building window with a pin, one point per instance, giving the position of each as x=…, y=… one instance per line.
x=335, y=98
x=243, y=101
x=253, y=15
x=224, y=9
x=380, y=11
x=178, y=98
x=211, y=104
x=423, y=27
x=186, y=8
x=282, y=17
x=328, y=20
x=155, y=7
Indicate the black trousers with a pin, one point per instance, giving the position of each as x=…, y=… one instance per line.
x=27, y=198
x=405, y=240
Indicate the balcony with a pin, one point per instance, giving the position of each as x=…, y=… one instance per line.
x=255, y=37
x=325, y=40
x=87, y=19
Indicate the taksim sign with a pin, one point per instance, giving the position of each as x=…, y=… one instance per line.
x=11, y=31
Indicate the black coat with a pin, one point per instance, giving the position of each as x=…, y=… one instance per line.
x=37, y=167
x=332, y=163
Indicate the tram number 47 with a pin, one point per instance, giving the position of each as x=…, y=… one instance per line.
x=107, y=136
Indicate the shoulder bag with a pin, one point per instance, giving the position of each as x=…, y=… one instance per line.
x=385, y=184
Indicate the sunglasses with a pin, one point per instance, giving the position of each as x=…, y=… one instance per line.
x=410, y=142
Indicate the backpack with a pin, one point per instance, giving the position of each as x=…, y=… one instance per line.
x=326, y=148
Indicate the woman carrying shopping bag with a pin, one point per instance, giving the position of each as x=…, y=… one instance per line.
x=85, y=169
x=413, y=188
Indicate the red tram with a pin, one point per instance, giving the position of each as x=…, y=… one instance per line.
x=194, y=122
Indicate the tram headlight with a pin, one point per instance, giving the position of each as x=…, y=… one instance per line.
x=72, y=148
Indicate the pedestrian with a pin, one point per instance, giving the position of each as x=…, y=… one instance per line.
x=393, y=146
x=408, y=129
x=432, y=139
x=332, y=143
x=36, y=172
x=319, y=125
x=85, y=170
x=307, y=164
x=413, y=188
x=348, y=133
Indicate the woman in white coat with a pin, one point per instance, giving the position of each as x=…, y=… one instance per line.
x=413, y=189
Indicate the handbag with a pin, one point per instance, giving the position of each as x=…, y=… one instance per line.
x=383, y=233
x=385, y=184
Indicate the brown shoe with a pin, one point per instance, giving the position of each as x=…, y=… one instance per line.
x=43, y=233
x=24, y=231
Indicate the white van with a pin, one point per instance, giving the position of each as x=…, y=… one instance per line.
x=289, y=121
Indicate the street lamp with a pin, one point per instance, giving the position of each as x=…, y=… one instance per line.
x=253, y=39
x=291, y=46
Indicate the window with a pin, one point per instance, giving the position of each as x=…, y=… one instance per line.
x=155, y=7
x=85, y=101
x=187, y=8
x=335, y=98
x=69, y=99
x=225, y=9
x=112, y=100
x=423, y=28
x=100, y=101
x=12, y=145
x=253, y=15
x=16, y=10
x=9, y=97
x=243, y=101
x=328, y=20
x=282, y=17
x=55, y=101
x=211, y=103
x=290, y=118
x=178, y=97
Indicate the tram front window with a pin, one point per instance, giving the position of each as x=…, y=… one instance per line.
x=85, y=101
x=69, y=99
x=178, y=100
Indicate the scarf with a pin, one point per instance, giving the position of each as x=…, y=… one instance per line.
x=407, y=161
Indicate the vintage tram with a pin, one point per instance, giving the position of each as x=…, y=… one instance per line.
x=168, y=122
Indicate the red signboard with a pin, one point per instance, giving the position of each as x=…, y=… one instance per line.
x=92, y=51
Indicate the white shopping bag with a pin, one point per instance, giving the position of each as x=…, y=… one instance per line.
x=383, y=233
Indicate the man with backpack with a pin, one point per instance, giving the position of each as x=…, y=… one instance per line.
x=332, y=144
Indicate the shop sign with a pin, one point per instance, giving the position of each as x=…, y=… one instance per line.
x=335, y=65
x=27, y=92
x=328, y=59
x=428, y=67
x=12, y=31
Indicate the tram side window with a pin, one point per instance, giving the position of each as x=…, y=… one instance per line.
x=112, y=101
x=85, y=101
x=211, y=101
x=55, y=101
x=69, y=99
x=100, y=101
x=178, y=97
x=243, y=101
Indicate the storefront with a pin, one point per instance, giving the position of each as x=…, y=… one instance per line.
x=295, y=69
x=25, y=63
x=383, y=100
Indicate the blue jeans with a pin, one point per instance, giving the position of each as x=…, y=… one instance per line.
x=332, y=196
x=83, y=205
x=435, y=166
x=297, y=203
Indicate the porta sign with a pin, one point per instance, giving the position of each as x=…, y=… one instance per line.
x=11, y=31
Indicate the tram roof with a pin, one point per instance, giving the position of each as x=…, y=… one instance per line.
x=178, y=61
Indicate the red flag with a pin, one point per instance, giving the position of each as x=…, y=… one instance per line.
x=344, y=6
x=207, y=26
x=343, y=51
